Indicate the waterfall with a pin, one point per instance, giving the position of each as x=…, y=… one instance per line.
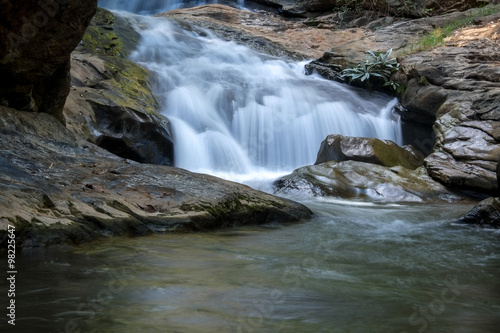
x=237, y=113
x=152, y=7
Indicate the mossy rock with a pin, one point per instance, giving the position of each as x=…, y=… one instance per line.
x=109, y=35
x=370, y=150
x=366, y=182
x=130, y=85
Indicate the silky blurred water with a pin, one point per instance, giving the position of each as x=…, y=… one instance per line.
x=355, y=267
x=152, y=7
x=235, y=112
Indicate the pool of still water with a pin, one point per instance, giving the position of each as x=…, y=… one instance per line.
x=355, y=267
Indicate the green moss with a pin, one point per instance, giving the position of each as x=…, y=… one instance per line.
x=131, y=85
x=109, y=35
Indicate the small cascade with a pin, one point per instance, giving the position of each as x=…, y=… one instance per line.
x=152, y=7
x=235, y=112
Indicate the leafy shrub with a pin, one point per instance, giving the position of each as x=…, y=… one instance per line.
x=373, y=72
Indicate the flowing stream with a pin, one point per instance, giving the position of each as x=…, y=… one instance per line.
x=242, y=115
x=355, y=267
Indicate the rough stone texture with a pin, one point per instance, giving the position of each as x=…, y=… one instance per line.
x=111, y=105
x=36, y=39
x=56, y=188
x=423, y=101
x=364, y=181
x=263, y=31
x=486, y=213
x=111, y=102
x=416, y=8
x=369, y=150
x=456, y=86
x=467, y=128
x=109, y=35
x=498, y=177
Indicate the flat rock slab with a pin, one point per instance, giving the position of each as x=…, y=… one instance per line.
x=56, y=188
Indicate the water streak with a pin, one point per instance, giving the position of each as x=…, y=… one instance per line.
x=152, y=7
x=236, y=112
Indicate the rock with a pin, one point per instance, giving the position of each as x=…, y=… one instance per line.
x=418, y=8
x=363, y=181
x=109, y=35
x=369, y=150
x=111, y=102
x=56, y=188
x=36, y=39
x=112, y=105
x=467, y=128
x=422, y=102
x=262, y=31
x=486, y=213
x=498, y=177
x=455, y=88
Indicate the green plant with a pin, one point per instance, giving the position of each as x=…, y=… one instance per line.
x=437, y=35
x=374, y=71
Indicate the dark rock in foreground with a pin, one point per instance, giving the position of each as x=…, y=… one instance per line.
x=56, y=188
x=36, y=38
x=486, y=213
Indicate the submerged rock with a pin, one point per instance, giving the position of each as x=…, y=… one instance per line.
x=364, y=181
x=370, y=150
x=486, y=213
x=36, y=39
x=56, y=188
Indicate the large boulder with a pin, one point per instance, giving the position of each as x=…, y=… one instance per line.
x=112, y=105
x=364, y=181
x=36, y=39
x=111, y=102
x=56, y=188
x=370, y=150
x=486, y=213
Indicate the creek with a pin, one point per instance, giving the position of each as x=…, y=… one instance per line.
x=355, y=267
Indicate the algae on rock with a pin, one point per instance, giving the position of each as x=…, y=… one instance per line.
x=111, y=102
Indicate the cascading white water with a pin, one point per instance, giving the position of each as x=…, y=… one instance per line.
x=235, y=112
x=151, y=7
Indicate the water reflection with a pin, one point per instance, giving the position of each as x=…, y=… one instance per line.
x=351, y=269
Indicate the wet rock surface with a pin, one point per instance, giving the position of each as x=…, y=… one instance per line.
x=454, y=88
x=370, y=150
x=367, y=182
x=57, y=188
x=486, y=213
x=266, y=32
x=111, y=102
